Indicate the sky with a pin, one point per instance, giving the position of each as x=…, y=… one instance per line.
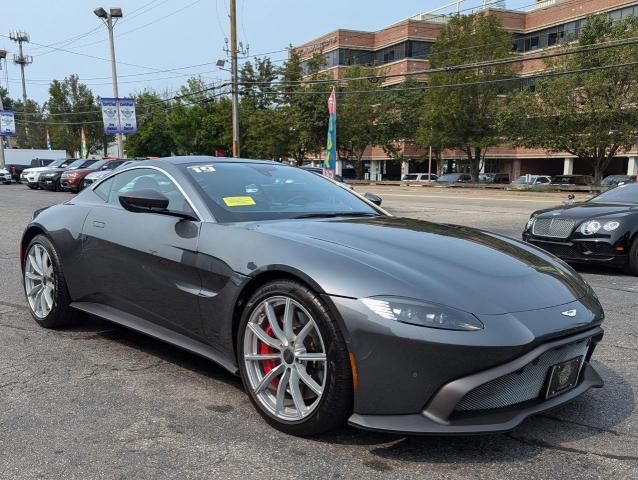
x=171, y=34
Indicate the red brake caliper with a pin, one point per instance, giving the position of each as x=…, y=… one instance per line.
x=268, y=365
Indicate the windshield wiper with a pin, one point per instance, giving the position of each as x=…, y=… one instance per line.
x=337, y=214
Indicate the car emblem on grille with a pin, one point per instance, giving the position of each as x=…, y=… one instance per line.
x=569, y=313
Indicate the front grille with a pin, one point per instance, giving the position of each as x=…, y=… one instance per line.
x=553, y=227
x=524, y=384
x=561, y=251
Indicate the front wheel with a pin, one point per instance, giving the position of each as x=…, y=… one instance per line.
x=45, y=286
x=293, y=360
x=632, y=261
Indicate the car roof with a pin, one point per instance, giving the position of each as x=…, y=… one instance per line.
x=186, y=159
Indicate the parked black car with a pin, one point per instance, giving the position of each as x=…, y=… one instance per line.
x=455, y=178
x=494, y=178
x=50, y=179
x=602, y=230
x=573, y=180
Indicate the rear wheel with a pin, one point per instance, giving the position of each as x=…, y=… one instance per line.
x=632, y=262
x=45, y=286
x=293, y=360
x=33, y=187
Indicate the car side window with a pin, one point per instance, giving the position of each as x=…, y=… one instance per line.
x=542, y=180
x=148, y=179
x=104, y=189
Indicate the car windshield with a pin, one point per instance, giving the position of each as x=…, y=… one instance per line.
x=79, y=164
x=239, y=192
x=614, y=179
x=97, y=164
x=627, y=193
x=58, y=163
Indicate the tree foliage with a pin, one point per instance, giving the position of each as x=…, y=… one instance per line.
x=590, y=115
x=464, y=117
x=69, y=96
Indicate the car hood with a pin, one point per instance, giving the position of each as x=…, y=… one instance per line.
x=475, y=271
x=584, y=210
x=35, y=169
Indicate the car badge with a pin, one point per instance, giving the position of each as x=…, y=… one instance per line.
x=569, y=313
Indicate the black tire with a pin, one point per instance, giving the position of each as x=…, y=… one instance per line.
x=632, y=262
x=33, y=187
x=57, y=187
x=81, y=187
x=335, y=405
x=61, y=314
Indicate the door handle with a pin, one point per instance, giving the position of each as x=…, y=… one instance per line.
x=98, y=224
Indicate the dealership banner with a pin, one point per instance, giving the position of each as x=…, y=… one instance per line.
x=118, y=115
x=330, y=160
x=7, y=123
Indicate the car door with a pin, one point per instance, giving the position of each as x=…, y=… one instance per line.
x=144, y=263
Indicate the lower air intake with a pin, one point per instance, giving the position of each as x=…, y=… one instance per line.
x=524, y=384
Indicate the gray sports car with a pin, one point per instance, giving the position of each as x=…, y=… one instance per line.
x=331, y=310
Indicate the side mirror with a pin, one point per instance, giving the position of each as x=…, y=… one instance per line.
x=146, y=200
x=376, y=199
x=151, y=201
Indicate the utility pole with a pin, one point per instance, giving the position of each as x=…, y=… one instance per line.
x=107, y=18
x=2, y=163
x=21, y=59
x=235, y=76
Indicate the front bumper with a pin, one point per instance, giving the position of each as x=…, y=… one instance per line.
x=441, y=417
x=48, y=183
x=69, y=184
x=8, y=178
x=597, y=251
x=414, y=379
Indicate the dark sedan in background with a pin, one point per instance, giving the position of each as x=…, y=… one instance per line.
x=602, y=230
x=328, y=308
x=51, y=179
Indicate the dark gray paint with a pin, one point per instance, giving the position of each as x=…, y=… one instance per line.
x=183, y=278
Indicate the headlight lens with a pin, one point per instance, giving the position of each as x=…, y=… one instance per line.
x=530, y=222
x=593, y=226
x=423, y=314
x=590, y=227
x=611, y=225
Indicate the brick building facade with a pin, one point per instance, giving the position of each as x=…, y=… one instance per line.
x=404, y=46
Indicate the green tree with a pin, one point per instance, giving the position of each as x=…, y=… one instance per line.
x=152, y=137
x=199, y=122
x=465, y=117
x=399, y=117
x=75, y=99
x=30, y=131
x=358, y=113
x=590, y=114
x=303, y=107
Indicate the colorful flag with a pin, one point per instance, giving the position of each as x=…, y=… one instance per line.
x=84, y=152
x=49, y=144
x=330, y=159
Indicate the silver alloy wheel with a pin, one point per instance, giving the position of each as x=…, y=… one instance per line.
x=39, y=282
x=285, y=358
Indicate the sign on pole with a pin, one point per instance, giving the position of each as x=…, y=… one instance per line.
x=118, y=115
x=7, y=123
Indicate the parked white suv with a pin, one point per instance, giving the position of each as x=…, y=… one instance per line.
x=419, y=177
x=533, y=180
x=31, y=176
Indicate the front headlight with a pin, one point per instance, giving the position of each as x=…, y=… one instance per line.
x=530, y=222
x=423, y=314
x=593, y=226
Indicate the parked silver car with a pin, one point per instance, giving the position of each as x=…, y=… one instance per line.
x=419, y=177
x=533, y=180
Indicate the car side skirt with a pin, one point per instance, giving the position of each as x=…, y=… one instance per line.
x=156, y=331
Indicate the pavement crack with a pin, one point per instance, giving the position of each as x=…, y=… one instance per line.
x=543, y=444
x=6, y=325
x=14, y=305
x=592, y=427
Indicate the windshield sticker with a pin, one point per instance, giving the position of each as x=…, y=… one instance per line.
x=202, y=168
x=239, y=201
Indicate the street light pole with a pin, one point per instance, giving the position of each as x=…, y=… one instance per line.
x=108, y=21
x=3, y=54
x=235, y=79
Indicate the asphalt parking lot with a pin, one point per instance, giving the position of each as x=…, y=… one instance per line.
x=99, y=401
